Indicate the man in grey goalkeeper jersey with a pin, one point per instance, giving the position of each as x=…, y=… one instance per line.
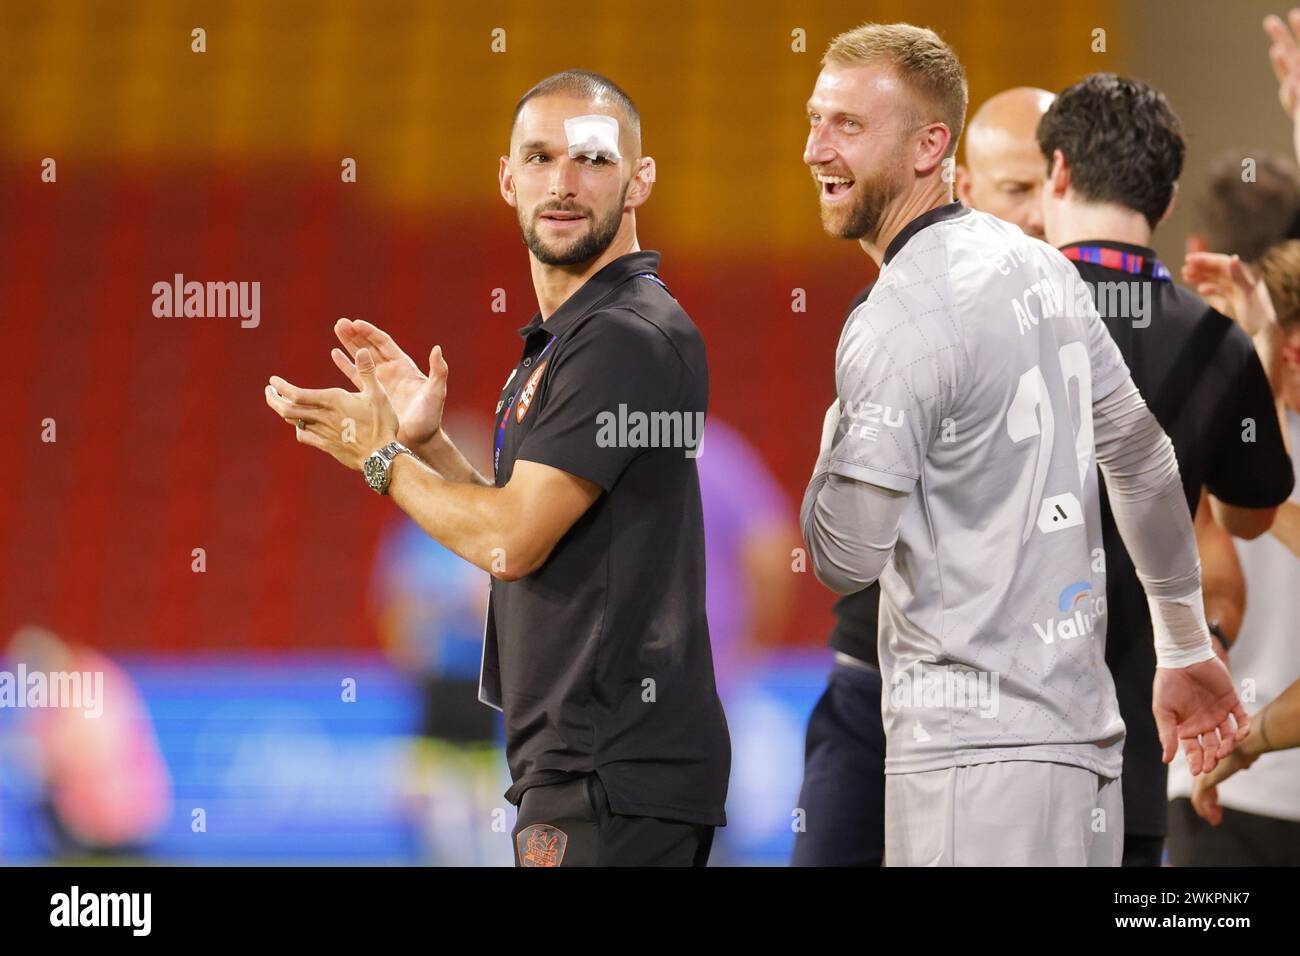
x=956, y=465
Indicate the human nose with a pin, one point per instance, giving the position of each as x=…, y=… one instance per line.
x=564, y=178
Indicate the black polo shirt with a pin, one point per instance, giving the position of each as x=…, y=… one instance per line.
x=857, y=615
x=600, y=659
x=1202, y=379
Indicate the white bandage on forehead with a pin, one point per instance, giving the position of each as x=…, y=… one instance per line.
x=593, y=136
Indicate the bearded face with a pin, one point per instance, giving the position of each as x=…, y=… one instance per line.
x=567, y=233
x=852, y=204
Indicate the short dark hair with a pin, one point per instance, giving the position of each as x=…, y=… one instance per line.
x=1122, y=140
x=1243, y=216
x=587, y=85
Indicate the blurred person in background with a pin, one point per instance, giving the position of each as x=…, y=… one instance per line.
x=1253, y=818
x=843, y=793
x=106, y=791
x=1003, y=173
x=429, y=605
x=1274, y=727
x=749, y=531
x=1230, y=818
x=1246, y=210
x=1115, y=151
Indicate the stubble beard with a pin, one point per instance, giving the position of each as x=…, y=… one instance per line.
x=598, y=237
x=862, y=219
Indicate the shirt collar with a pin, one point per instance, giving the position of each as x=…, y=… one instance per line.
x=594, y=291
x=1120, y=246
x=939, y=214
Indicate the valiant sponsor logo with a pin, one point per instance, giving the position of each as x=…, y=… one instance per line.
x=867, y=418
x=133, y=910
x=1082, y=612
x=944, y=688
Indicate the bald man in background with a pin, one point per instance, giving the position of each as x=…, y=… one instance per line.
x=1004, y=170
x=843, y=793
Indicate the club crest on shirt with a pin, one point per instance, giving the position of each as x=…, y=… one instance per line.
x=526, y=396
x=541, y=845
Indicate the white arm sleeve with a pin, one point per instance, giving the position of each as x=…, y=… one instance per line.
x=1146, y=496
x=850, y=528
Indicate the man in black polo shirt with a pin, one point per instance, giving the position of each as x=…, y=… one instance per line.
x=597, y=646
x=1114, y=153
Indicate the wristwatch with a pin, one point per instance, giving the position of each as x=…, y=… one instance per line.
x=378, y=467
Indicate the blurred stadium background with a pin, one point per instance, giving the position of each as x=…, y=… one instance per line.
x=225, y=165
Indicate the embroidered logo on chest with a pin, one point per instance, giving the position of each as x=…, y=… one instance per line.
x=526, y=396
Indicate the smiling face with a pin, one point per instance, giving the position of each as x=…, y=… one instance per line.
x=860, y=123
x=570, y=210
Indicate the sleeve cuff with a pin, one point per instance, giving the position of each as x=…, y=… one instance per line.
x=872, y=476
x=572, y=466
x=1117, y=377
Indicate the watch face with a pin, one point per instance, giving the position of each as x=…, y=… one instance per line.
x=373, y=469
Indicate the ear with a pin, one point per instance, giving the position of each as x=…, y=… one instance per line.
x=507, y=182
x=643, y=180
x=963, y=185
x=1058, y=175
x=932, y=147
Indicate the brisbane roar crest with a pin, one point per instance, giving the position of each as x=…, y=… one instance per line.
x=526, y=396
x=541, y=845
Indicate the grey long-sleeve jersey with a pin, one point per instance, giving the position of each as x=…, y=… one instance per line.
x=978, y=389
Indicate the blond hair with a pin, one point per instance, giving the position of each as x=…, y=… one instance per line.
x=1280, y=266
x=925, y=64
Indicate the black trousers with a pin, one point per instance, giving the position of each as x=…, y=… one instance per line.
x=1243, y=839
x=570, y=824
x=1143, y=850
x=843, y=792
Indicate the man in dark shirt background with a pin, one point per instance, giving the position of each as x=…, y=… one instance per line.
x=1115, y=151
x=597, y=643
